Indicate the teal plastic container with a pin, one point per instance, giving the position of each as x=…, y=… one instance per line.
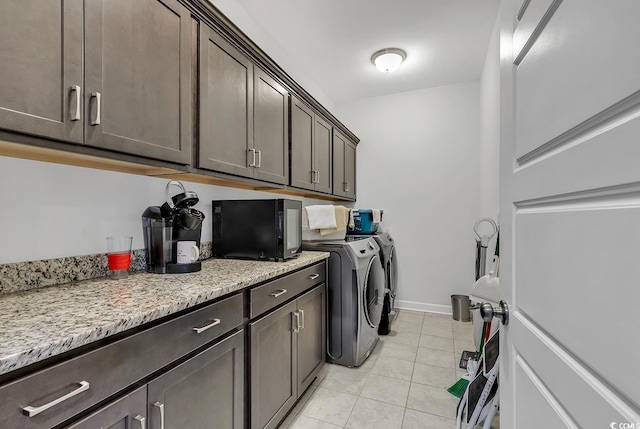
x=363, y=221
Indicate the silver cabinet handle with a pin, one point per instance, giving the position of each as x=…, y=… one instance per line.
x=278, y=293
x=346, y=186
x=141, y=420
x=253, y=162
x=301, y=317
x=75, y=113
x=209, y=326
x=259, y=159
x=313, y=276
x=34, y=411
x=317, y=176
x=160, y=406
x=97, y=96
x=313, y=176
x=296, y=325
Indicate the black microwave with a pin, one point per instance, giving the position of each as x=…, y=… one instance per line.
x=257, y=229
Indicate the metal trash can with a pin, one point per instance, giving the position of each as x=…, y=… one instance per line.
x=461, y=308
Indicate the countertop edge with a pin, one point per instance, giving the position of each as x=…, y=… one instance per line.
x=63, y=344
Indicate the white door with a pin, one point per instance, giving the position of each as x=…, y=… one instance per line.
x=570, y=213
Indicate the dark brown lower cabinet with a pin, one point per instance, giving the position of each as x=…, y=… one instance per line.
x=273, y=366
x=127, y=412
x=206, y=391
x=311, y=338
x=287, y=351
x=189, y=372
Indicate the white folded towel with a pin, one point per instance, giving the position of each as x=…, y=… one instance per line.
x=321, y=217
x=376, y=215
x=352, y=223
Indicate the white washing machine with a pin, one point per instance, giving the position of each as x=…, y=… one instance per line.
x=355, y=287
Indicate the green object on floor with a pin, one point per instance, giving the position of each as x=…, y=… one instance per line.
x=459, y=387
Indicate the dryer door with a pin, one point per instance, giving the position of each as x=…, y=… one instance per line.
x=373, y=292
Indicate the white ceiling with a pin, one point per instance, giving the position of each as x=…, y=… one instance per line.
x=333, y=40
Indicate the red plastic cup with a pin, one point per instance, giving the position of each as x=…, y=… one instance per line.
x=119, y=256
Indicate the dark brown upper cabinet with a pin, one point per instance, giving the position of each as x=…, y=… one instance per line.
x=41, y=73
x=138, y=77
x=344, y=166
x=135, y=96
x=270, y=128
x=311, y=149
x=166, y=83
x=243, y=114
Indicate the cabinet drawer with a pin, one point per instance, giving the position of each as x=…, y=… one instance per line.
x=96, y=375
x=270, y=295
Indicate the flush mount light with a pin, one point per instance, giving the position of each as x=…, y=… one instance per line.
x=388, y=59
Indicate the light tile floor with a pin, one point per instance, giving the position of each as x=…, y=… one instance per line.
x=402, y=385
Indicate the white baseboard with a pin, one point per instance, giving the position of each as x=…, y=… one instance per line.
x=424, y=307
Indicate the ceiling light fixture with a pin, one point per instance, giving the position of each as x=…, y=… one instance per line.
x=388, y=59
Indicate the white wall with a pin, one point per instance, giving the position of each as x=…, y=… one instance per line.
x=490, y=133
x=419, y=160
x=52, y=210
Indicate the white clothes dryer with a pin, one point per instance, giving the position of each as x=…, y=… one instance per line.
x=355, y=288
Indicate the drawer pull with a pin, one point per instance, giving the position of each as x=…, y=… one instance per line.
x=278, y=293
x=160, y=406
x=141, y=420
x=313, y=276
x=34, y=411
x=209, y=326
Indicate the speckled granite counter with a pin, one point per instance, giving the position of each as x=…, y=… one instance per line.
x=45, y=322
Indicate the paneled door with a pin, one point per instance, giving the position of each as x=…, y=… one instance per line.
x=312, y=350
x=127, y=412
x=206, y=391
x=41, y=73
x=322, y=154
x=138, y=77
x=273, y=364
x=270, y=128
x=226, y=107
x=344, y=166
x=570, y=213
x=302, y=125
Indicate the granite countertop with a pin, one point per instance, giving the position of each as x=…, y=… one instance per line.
x=45, y=322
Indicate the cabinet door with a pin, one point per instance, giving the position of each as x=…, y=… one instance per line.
x=302, y=122
x=350, y=170
x=312, y=336
x=226, y=107
x=322, y=151
x=273, y=367
x=339, y=184
x=271, y=129
x=41, y=54
x=127, y=412
x=206, y=391
x=138, y=77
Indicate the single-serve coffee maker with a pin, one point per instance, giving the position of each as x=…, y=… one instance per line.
x=172, y=233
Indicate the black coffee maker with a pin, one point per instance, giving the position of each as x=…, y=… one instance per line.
x=172, y=233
